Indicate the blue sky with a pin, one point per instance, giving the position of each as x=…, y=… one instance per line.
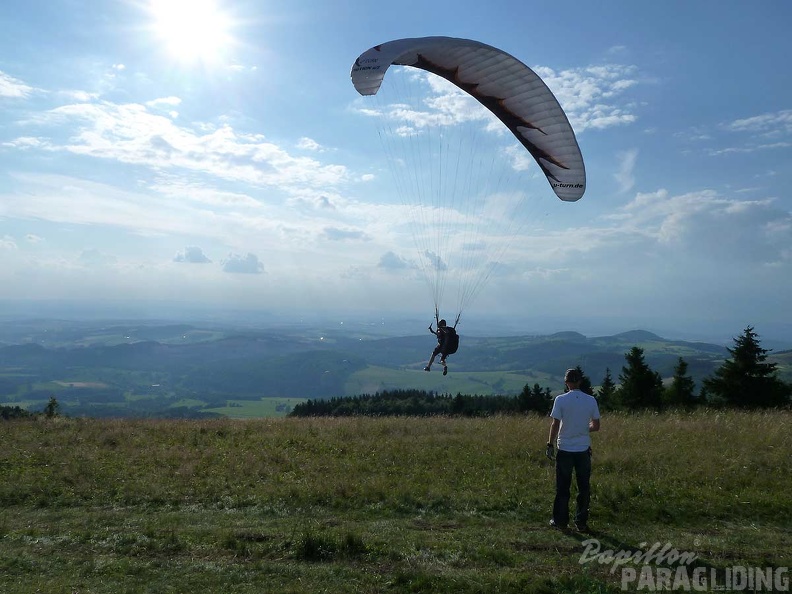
x=149, y=154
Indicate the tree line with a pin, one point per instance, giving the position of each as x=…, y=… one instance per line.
x=51, y=410
x=426, y=403
x=744, y=380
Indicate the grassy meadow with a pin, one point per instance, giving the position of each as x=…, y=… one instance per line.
x=377, y=504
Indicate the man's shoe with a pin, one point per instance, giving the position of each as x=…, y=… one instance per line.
x=445, y=370
x=581, y=527
x=557, y=526
x=427, y=368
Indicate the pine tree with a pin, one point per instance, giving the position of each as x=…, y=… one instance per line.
x=585, y=382
x=52, y=409
x=536, y=399
x=681, y=392
x=746, y=380
x=640, y=386
x=606, y=395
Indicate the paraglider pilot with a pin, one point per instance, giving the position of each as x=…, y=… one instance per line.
x=445, y=339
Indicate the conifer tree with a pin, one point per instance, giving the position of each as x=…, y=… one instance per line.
x=640, y=386
x=585, y=382
x=52, y=409
x=681, y=392
x=606, y=395
x=536, y=399
x=746, y=380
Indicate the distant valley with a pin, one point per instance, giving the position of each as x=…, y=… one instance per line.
x=171, y=370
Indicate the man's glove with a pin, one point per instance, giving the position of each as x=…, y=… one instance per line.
x=550, y=451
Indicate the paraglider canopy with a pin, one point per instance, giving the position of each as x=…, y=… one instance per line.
x=459, y=120
x=508, y=88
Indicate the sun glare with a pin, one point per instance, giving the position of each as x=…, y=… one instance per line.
x=193, y=30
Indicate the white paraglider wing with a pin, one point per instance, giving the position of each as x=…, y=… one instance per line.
x=514, y=93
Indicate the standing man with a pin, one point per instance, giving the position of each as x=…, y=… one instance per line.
x=575, y=414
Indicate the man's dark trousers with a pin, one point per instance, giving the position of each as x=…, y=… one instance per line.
x=566, y=462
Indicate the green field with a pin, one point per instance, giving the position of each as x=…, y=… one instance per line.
x=256, y=409
x=370, y=380
x=374, y=379
x=379, y=504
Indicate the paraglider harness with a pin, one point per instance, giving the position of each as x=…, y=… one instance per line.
x=449, y=342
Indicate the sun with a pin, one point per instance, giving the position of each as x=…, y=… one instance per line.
x=192, y=30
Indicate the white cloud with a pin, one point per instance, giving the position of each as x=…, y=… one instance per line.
x=27, y=142
x=192, y=255
x=706, y=225
x=7, y=243
x=750, y=148
x=391, y=261
x=434, y=261
x=65, y=199
x=79, y=95
x=13, y=88
x=164, y=101
x=625, y=176
x=313, y=202
x=309, y=144
x=778, y=122
x=130, y=133
x=763, y=132
x=591, y=96
x=238, y=264
x=181, y=189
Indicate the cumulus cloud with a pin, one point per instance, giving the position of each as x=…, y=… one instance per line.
x=708, y=225
x=238, y=264
x=309, y=144
x=324, y=202
x=391, y=261
x=192, y=255
x=131, y=133
x=7, y=243
x=435, y=261
x=593, y=96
